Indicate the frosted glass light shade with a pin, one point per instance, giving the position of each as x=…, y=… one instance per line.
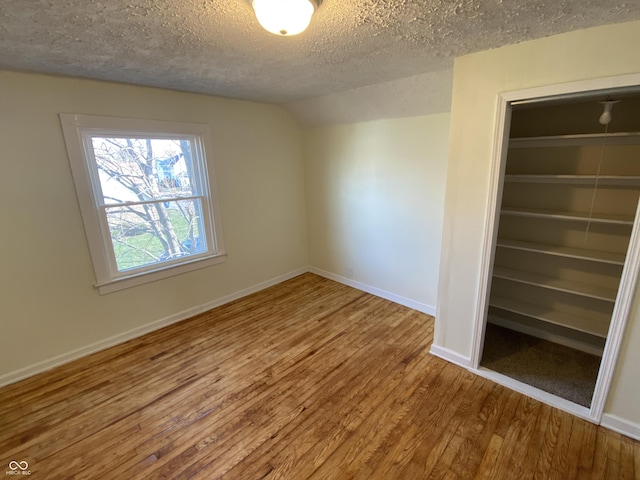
x=284, y=17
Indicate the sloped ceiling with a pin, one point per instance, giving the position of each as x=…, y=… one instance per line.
x=217, y=46
x=423, y=94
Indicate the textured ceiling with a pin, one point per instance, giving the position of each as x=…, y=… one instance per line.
x=217, y=47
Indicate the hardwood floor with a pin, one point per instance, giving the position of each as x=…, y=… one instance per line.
x=307, y=379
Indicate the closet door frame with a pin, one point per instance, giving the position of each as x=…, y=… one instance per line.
x=630, y=271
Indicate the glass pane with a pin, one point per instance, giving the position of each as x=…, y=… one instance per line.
x=142, y=169
x=154, y=233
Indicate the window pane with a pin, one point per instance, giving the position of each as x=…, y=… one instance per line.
x=154, y=233
x=143, y=169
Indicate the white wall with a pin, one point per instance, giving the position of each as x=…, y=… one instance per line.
x=375, y=196
x=478, y=78
x=49, y=306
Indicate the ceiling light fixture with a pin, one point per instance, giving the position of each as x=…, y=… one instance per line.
x=285, y=17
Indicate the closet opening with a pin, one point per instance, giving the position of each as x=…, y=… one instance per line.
x=563, y=262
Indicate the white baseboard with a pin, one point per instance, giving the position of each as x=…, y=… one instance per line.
x=58, y=360
x=378, y=292
x=451, y=356
x=536, y=393
x=545, y=335
x=67, y=357
x=621, y=425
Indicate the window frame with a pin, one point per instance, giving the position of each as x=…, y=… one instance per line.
x=78, y=131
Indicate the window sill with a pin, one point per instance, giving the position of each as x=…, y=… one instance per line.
x=164, y=272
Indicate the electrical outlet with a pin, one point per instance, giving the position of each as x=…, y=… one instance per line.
x=349, y=272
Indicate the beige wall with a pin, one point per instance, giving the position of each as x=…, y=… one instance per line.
x=375, y=196
x=49, y=306
x=478, y=78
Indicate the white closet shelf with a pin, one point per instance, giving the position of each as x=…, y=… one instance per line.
x=617, y=180
x=598, y=328
x=551, y=283
x=573, y=216
x=568, y=252
x=625, y=138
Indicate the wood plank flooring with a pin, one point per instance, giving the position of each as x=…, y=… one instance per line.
x=307, y=379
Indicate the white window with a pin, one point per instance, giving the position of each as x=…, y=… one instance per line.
x=148, y=203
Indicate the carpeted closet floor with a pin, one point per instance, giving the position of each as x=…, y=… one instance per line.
x=560, y=370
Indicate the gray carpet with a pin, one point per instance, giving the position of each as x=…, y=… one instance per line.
x=554, y=368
